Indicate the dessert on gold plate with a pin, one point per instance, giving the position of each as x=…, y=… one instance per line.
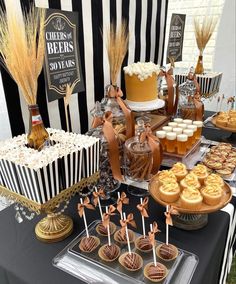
x=214, y=179
x=191, y=180
x=167, y=252
x=155, y=273
x=226, y=119
x=201, y=172
x=109, y=253
x=89, y=244
x=191, y=198
x=179, y=170
x=212, y=194
x=169, y=192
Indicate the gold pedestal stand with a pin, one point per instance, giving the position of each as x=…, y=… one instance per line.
x=55, y=226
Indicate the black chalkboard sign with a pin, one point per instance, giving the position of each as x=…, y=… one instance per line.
x=176, y=37
x=62, y=60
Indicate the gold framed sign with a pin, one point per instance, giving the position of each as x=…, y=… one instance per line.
x=62, y=59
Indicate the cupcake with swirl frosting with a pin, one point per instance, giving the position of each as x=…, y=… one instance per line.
x=191, y=180
x=191, y=198
x=169, y=192
x=212, y=194
x=179, y=170
x=201, y=172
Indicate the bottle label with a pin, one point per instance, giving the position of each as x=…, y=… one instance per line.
x=36, y=119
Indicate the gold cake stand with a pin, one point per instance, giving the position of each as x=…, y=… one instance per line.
x=55, y=226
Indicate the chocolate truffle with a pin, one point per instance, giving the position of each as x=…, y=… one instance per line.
x=89, y=244
x=120, y=238
x=167, y=252
x=155, y=273
x=143, y=244
x=109, y=253
x=101, y=230
x=132, y=261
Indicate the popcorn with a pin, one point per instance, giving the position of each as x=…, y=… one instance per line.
x=41, y=175
x=142, y=70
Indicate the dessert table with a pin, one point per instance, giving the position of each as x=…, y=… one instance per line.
x=25, y=260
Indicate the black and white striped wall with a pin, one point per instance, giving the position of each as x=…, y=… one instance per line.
x=146, y=21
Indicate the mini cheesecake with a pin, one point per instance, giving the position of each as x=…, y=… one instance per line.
x=191, y=199
x=179, y=170
x=169, y=192
x=212, y=194
x=201, y=172
x=191, y=180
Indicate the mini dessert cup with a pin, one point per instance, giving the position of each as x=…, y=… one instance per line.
x=89, y=244
x=143, y=244
x=102, y=231
x=109, y=253
x=212, y=194
x=155, y=273
x=119, y=238
x=169, y=192
x=167, y=252
x=131, y=262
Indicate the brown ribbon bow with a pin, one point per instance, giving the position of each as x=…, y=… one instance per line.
x=171, y=211
x=115, y=92
x=151, y=234
x=142, y=207
x=106, y=216
x=155, y=146
x=172, y=105
x=122, y=200
x=96, y=195
x=113, y=148
x=86, y=204
x=129, y=220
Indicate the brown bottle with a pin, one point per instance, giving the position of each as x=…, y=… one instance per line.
x=37, y=135
x=199, y=67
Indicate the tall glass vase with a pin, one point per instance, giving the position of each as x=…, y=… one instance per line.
x=38, y=135
x=199, y=67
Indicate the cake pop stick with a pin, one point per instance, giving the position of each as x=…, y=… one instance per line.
x=81, y=211
x=106, y=220
x=142, y=207
x=108, y=230
x=169, y=210
x=122, y=199
x=127, y=234
x=153, y=247
x=96, y=199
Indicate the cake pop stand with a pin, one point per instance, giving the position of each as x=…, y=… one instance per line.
x=230, y=139
x=190, y=219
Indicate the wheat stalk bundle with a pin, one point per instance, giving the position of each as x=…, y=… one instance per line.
x=204, y=31
x=22, y=48
x=117, y=45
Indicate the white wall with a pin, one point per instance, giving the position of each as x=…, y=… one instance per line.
x=224, y=58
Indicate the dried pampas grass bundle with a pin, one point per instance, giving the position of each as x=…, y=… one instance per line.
x=204, y=31
x=117, y=45
x=22, y=48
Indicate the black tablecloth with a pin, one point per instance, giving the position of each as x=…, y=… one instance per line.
x=26, y=260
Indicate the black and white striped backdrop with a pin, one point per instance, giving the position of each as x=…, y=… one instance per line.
x=146, y=21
